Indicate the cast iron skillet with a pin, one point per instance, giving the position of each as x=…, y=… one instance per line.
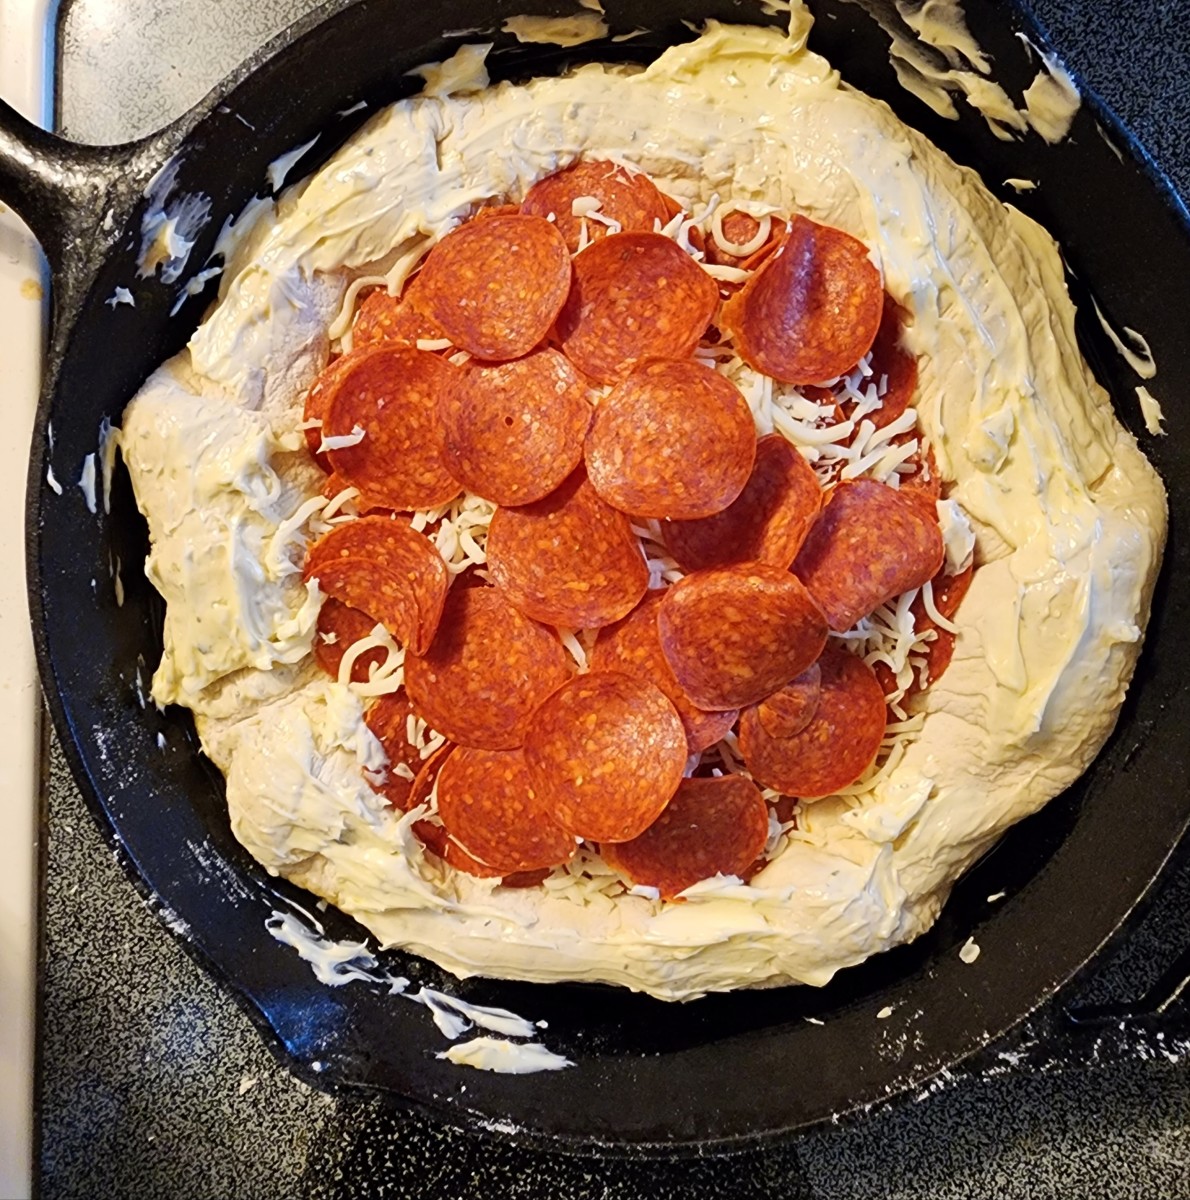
x=722, y=1072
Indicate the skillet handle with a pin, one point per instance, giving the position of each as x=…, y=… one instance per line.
x=58, y=188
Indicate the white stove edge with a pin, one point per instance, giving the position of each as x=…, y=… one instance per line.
x=26, y=41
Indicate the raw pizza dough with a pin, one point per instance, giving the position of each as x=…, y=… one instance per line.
x=1069, y=518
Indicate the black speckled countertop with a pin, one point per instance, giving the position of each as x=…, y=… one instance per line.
x=154, y=1084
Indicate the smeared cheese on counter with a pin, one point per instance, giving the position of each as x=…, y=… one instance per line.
x=1067, y=519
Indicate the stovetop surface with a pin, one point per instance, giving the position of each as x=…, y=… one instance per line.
x=153, y=1082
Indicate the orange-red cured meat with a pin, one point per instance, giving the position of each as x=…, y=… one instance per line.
x=630, y=198
x=424, y=780
x=496, y=210
x=739, y=228
x=633, y=645
x=837, y=746
x=767, y=522
x=895, y=365
x=733, y=635
x=812, y=310
x=364, y=584
x=338, y=628
x=673, y=440
x=791, y=708
x=490, y=805
x=871, y=543
x=319, y=396
x=392, y=394
x=710, y=827
x=569, y=559
x=635, y=296
x=923, y=483
x=387, y=320
x=515, y=430
x=949, y=591
x=606, y=751
x=495, y=286
x=394, y=545
x=388, y=719
x=487, y=670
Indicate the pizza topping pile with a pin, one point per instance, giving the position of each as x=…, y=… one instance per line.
x=597, y=610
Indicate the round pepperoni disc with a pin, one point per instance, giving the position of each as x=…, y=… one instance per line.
x=812, y=310
x=488, y=669
x=606, y=751
x=791, y=708
x=893, y=367
x=673, y=440
x=391, y=321
x=631, y=199
x=364, y=584
x=490, y=805
x=733, y=635
x=871, y=543
x=569, y=559
x=767, y=522
x=635, y=296
x=710, y=827
x=515, y=430
x=388, y=719
x=743, y=232
x=392, y=394
x=396, y=546
x=836, y=747
x=339, y=628
x=633, y=646
x=426, y=777
x=319, y=397
x=495, y=286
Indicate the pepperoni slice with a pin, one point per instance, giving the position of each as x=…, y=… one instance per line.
x=514, y=431
x=767, y=522
x=871, y=543
x=790, y=709
x=392, y=321
x=364, y=584
x=569, y=559
x=607, y=752
x=633, y=646
x=892, y=364
x=635, y=296
x=673, y=440
x=741, y=230
x=496, y=210
x=710, y=827
x=923, y=483
x=629, y=198
x=487, y=670
x=734, y=635
x=488, y=802
x=388, y=719
x=340, y=627
x=949, y=591
x=811, y=311
x=402, y=551
x=392, y=394
x=427, y=775
x=837, y=746
x=495, y=286
x=319, y=396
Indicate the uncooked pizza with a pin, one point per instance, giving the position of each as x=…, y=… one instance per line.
x=650, y=526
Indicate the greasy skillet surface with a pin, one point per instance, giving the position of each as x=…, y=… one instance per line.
x=727, y=1069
